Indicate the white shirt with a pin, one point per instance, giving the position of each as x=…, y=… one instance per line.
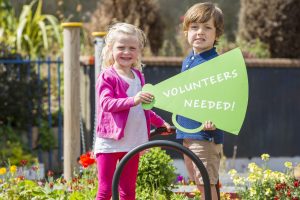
x=135, y=132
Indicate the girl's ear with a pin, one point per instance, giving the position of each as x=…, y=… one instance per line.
x=185, y=33
x=109, y=47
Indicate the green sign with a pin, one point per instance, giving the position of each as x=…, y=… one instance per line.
x=216, y=90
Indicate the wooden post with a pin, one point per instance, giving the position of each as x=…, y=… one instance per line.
x=71, y=97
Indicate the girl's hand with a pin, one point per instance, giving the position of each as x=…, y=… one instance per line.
x=209, y=126
x=143, y=97
x=168, y=127
x=144, y=152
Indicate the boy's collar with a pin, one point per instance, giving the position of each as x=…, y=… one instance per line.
x=205, y=53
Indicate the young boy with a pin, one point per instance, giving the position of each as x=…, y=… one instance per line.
x=203, y=25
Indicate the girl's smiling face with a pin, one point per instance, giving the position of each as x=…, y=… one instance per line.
x=201, y=36
x=125, y=50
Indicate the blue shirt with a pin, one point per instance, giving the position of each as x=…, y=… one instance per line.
x=217, y=136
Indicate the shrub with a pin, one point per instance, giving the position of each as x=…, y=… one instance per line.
x=19, y=92
x=253, y=49
x=12, y=150
x=46, y=139
x=156, y=175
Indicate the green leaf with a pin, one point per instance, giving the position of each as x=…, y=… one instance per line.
x=20, y=30
x=44, y=33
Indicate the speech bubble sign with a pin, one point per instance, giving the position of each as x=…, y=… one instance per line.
x=216, y=90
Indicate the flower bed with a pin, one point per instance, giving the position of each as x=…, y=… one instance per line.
x=260, y=182
x=14, y=185
x=263, y=183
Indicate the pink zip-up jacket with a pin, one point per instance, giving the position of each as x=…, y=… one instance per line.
x=113, y=105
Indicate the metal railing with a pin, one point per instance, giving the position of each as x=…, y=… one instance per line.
x=43, y=72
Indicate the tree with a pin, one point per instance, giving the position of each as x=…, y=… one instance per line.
x=143, y=13
x=273, y=22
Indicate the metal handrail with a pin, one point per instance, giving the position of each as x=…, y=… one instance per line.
x=161, y=143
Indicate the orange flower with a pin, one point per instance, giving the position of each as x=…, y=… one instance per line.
x=86, y=160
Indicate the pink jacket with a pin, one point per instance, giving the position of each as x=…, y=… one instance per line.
x=113, y=105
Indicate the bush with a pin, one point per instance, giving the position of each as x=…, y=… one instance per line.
x=156, y=175
x=46, y=139
x=19, y=94
x=13, y=153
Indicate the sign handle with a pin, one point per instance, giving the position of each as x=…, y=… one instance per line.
x=178, y=126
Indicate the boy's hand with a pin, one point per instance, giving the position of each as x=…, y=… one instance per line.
x=168, y=127
x=209, y=126
x=143, y=97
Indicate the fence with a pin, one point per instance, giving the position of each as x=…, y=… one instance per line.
x=43, y=105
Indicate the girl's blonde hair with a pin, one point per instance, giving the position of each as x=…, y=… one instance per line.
x=110, y=38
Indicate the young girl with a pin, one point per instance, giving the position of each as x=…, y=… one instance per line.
x=122, y=124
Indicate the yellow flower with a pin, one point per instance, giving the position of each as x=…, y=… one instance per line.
x=232, y=172
x=2, y=170
x=268, y=191
x=252, y=178
x=267, y=175
x=252, y=192
x=265, y=157
x=13, y=169
x=239, y=181
x=253, y=167
x=282, y=177
x=288, y=165
x=1, y=180
x=196, y=192
x=225, y=196
x=278, y=175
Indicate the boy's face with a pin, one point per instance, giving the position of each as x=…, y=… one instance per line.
x=201, y=36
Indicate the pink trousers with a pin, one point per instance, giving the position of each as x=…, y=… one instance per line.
x=106, y=165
